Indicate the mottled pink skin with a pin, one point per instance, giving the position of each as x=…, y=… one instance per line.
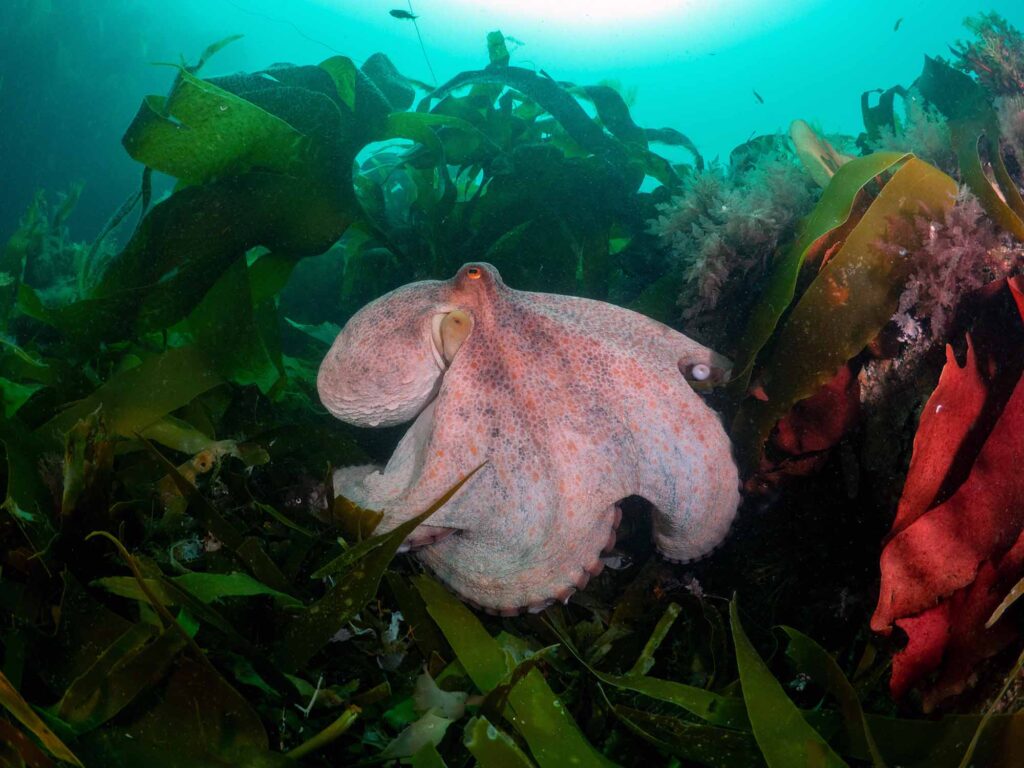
x=574, y=404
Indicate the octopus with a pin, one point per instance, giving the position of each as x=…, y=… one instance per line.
x=564, y=405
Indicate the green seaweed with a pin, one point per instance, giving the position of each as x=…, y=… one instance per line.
x=241, y=618
x=312, y=629
x=14, y=703
x=206, y=720
x=279, y=178
x=882, y=115
x=205, y=587
x=139, y=397
x=709, y=706
x=703, y=744
x=200, y=132
x=345, y=74
x=237, y=332
x=131, y=664
x=247, y=549
x=782, y=734
x=491, y=747
x=814, y=661
x=547, y=93
x=537, y=713
x=26, y=498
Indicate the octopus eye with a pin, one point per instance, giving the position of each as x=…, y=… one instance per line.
x=700, y=372
x=474, y=273
x=702, y=376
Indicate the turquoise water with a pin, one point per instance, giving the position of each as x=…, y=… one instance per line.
x=73, y=71
x=711, y=385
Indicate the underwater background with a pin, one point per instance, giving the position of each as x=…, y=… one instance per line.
x=197, y=197
x=72, y=71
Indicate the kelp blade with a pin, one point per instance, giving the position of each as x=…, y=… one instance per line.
x=139, y=397
x=972, y=119
x=239, y=334
x=313, y=629
x=831, y=211
x=13, y=702
x=784, y=736
x=131, y=665
x=814, y=661
x=491, y=747
x=703, y=744
x=849, y=302
x=709, y=706
x=554, y=738
x=214, y=132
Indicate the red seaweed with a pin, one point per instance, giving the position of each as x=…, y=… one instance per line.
x=948, y=562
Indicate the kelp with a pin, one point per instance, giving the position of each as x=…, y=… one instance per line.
x=200, y=719
x=205, y=587
x=715, y=747
x=140, y=396
x=493, y=748
x=850, y=300
x=14, y=703
x=537, y=713
x=975, y=131
x=547, y=93
x=819, y=157
x=486, y=143
x=229, y=610
x=238, y=332
x=28, y=376
x=832, y=211
x=613, y=113
x=782, y=734
x=311, y=630
x=711, y=707
x=771, y=727
x=814, y=661
x=277, y=176
x=881, y=116
x=27, y=500
x=134, y=662
x=200, y=132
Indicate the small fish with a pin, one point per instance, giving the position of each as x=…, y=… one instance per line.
x=398, y=13
x=896, y=26
x=760, y=99
x=513, y=40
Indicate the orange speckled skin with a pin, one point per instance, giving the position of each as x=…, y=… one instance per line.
x=574, y=404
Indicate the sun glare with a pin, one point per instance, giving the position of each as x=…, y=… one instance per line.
x=612, y=12
x=593, y=11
